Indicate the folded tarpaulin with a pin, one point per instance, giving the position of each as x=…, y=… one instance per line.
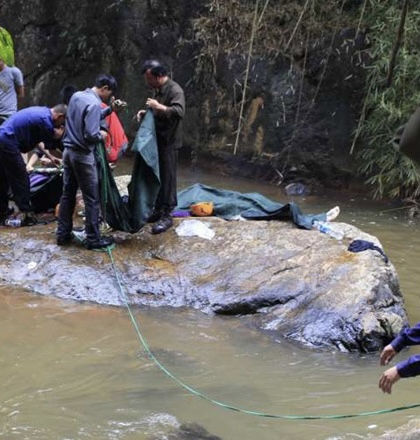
x=252, y=206
x=131, y=215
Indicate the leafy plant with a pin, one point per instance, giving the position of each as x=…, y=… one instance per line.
x=285, y=27
x=388, y=107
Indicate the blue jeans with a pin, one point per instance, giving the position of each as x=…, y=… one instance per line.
x=79, y=172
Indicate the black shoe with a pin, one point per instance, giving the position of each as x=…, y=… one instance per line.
x=100, y=243
x=63, y=241
x=154, y=216
x=3, y=217
x=29, y=219
x=162, y=225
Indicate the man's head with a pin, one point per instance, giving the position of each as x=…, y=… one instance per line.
x=155, y=73
x=66, y=93
x=105, y=86
x=58, y=113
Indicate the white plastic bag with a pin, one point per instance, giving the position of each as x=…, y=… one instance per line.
x=190, y=228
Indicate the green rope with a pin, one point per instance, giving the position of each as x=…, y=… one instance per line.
x=225, y=405
x=104, y=169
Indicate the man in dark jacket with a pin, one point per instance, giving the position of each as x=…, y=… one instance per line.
x=408, y=368
x=168, y=105
x=21, y=133
x=82, y=134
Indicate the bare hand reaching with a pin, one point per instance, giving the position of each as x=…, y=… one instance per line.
x=387, y=354
x=155, y=105
x=104, y=134
x=140, y=115
x=388, y=378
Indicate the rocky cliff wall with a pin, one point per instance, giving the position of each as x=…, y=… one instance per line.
x=300, y=107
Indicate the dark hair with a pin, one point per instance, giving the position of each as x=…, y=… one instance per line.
x=66, y=93
x=60, y=108
x=156, y=68
x=106, y=80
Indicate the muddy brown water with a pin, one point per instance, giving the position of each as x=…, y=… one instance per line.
x=78, y=371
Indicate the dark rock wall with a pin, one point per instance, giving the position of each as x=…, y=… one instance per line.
x=299, y=113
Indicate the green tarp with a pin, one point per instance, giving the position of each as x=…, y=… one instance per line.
x=252, y=206
x=131, y=215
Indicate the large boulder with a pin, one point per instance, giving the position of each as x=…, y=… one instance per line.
x=298, y=284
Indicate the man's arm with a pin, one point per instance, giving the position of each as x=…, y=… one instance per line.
x=388, y=353
x=20, y=92
x=41, y=147
x=388, y=378
x=93, y=116
x=19, y=84
x=175, y=109
x=409, y=336
x=407, y=368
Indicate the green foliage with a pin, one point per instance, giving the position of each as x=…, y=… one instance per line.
x=7, y=53
x=389, y=172
x=285, y=27
x=282, y=27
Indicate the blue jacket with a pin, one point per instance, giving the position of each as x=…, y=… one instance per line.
x=408, y=337
x=27, y=128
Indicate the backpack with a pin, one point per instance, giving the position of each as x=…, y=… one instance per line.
x=7, y=53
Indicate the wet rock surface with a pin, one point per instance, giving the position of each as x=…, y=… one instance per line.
x=192, y=431
x=409, y=431
x=298, y=284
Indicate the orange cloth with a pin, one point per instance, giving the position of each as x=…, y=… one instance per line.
x=117, y=139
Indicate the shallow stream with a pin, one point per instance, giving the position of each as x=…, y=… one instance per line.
x=78, y=371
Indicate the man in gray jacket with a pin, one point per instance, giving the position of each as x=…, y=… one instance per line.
x=83, y=132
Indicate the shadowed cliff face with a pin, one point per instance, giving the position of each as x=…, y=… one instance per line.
x=298, y=113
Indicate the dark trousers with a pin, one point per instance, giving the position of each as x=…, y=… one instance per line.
x=13, y=175
x=79, y=172
x=167, y=196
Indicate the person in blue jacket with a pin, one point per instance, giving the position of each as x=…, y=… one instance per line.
x=20, y=133
x=407, y=368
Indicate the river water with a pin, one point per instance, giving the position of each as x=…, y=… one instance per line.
x=78, y=371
